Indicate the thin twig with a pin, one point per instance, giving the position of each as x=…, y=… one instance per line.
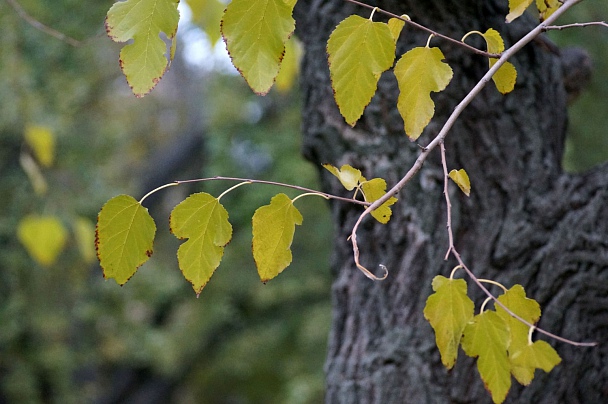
x=448, y=204
x=575, y=25
x=41, y=27
x=280, y=184
x=430, y=31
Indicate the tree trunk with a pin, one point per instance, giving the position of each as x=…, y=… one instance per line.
x=526, y=221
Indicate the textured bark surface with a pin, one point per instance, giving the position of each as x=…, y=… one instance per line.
x=526, y=221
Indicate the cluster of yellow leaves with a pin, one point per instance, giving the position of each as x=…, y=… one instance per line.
x=125, y=236
x=545, y=8
x=500, y=342
x=372, y=190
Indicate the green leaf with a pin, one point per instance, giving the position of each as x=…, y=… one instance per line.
x=526, y=359
x=273, y=229
x=255, y=32
x=204, y=222
x=124, y=237
x=396, y=26
x=448, y=310
x=143, y=62
x=359, y=50
x=506, y=76
x=419, y=72
x=461, y=178
x=42, y=142
x=348, y=176
x=43, y=237
x=373, y=190
x=517, y=8
x=487, y=337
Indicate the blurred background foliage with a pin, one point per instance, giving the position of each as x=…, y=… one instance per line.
x=68, y=336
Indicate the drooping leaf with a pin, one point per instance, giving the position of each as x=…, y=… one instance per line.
x=124, y=237
x=373, y=190
x=204, y=222
x=517, y=8
x=255, y=32
x=419, y=72
x=396, y=26
x=461, y=178
x=539, y=355
x=348, y=176
x=42, y=142
x=84, y=233
x=290, y=65
x=359, y=51
x=43, y=237
x=487, y=338
x=547, y=7
x=143, y=61
x=448, y=310
x=506, y=76
x=273, y=230
x=528, y=309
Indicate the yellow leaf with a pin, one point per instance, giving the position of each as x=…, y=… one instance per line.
x=547, y=7
x=348, y=176
x=204, y=222
x=43, y=237
x=487, y=337
x=506, y=76
x=143, y=61
x=396, y=26
x=419, y=72
x=373, y=190
x=517, y=8
x=84, y=232
x=461, y=178
x=290, y=65
x=359, y=50
x=255, y=32
x=42, y=142
x=124, y=237
x=448, y=310
x=273, y=230
x=529, y=357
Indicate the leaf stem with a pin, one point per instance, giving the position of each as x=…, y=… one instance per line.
x=171, y=184
x=309, y=194
x=280, y=184
x=493, y=283
x=423, y=28
x=233, y=188
x=456, y=268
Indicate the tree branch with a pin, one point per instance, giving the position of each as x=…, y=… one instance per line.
x=41, y=27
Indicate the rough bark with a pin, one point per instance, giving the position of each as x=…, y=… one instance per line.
x=526, y=221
